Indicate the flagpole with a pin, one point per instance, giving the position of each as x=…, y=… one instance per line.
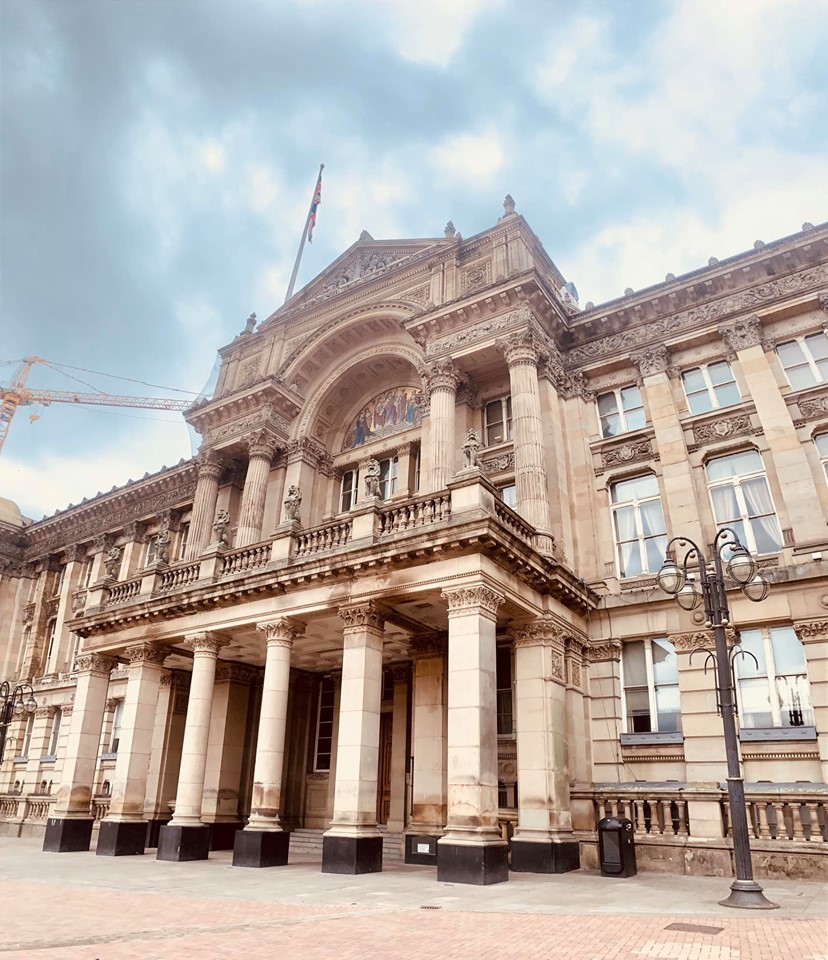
x=292, y=283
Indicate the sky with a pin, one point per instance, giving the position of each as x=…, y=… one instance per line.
x=158, y=158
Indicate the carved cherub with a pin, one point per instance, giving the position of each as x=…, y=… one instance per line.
x=372, y=475
x=293, y=502
x=220, y=525
x=470, y=447
x=113, y=561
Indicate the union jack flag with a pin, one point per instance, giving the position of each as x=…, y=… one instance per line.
x=317, y=199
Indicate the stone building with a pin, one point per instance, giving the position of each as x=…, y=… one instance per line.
x=406, y=589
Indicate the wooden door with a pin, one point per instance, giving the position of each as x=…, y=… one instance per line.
x=384, y=772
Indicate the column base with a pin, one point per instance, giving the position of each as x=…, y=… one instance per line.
x=121, y=838
x=223, y=833
x=421, y=849
x=261, y=848
x=67, y=835
x=153, y=831
x=351, y=855
x=479, y=864
x=544, y=856
x=747, y=895
x=181, y=844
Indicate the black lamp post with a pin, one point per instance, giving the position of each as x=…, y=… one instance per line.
x=14, y=704
x=677, y=580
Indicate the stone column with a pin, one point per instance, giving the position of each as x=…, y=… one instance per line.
x=264, y=842
x=70, y=828
x=428, y=746
x=522, y=353
x=185, y=837
x=155, y=810
x=124, y=830
x=261, y=447
x=353, y=843
x=472, y=850
x=605, y=699
x=399, y=731
x=210, y=467
x=441, y=379
x=543, y=841
x=813, y=634
x=796, y=481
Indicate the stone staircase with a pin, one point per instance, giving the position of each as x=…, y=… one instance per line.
x=308, y=845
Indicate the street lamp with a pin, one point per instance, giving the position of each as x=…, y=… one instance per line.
x=14, y=704
x=677, y=580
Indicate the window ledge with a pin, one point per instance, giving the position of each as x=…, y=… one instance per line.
x=777, y=733
x=635, y=739
x=48, y=758
x=109, y=756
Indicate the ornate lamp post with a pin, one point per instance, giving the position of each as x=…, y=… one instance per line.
x=13, y=704
x=677, y=580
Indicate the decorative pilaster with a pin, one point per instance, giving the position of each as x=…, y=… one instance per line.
x=441, y=380
x=813, y=635
x=353, y=844
x=472, y=850
x=261, y=447
x=210, y=468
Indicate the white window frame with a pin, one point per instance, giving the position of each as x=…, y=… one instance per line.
x=61, y=577
x=51, y=630
x=710, y=387
x=810, y=360
x=183, y=537
x=117, y=724
x=388, y=477
x=352, y=494
x=770, y=678
x=28, y=730
x=508, y=494
x=151, y=550
x=505, y=691
x=86, y=573
x=316, y=767
x=822, y=454
x=620, y=411
x=642, y=540
x=736, y=482
x=54, y=735
x=652, y=687
x=505, y=421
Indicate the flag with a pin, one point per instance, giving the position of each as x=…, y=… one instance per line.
x=317, y=199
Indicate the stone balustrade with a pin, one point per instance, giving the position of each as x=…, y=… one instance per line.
x=514, y=521
x=244, y=559
x=328, y=536
x=124, y=592
x=656, y=812
x=774, y=815
x=180, y=575
x=100, y=807
x=415, y=513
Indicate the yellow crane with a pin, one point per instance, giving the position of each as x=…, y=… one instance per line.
x=16, y=394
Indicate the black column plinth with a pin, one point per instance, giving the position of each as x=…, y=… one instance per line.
x=421, y=849
x=479, y=865
x=183, y=843
x=121, y=839
x=261, y=848
x=548, y=856
x=153, y=830
x=223, y=834
x=351, y=855
x=67, y=836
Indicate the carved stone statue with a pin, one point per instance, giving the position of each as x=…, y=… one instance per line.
x=470, y=447
x=508, y=205
x=251, y=323
x=451, y=231
x=293, y=502
x=113, y=561
x=372, y=478
x=220, y=525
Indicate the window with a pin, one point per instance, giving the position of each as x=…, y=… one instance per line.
x=508, y=495
x=27, y=735
x=117, y=720
x=86, y=573
x=709, y=387
x=821, y=441
x=621, y=411
x=51, y=632
x=638, y=522
x=55, y=735
x=498, y=420
x=417, y=472
x=183, y=537
x=348, y=494
x=151, y=554
x=741, y=499
x=59, y=580
x=324, y=726
x=505, y=724
x=651, y=690
x=388, y=478
x=805, y=361
x=76, y=645
x=774, y=693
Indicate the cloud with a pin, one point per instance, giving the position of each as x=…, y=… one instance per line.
x=470, y=156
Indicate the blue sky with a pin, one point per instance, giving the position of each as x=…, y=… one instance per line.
x=158, y=158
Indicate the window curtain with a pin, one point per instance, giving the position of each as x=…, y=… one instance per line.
x=627, y=536
x=763, y=519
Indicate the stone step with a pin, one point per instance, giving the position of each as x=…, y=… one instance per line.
x=310, y=842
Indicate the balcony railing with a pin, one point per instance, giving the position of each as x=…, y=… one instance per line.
x=319, y=539
x=179, y=576
x=245, y=558
x=415, y=513
x=124, y=592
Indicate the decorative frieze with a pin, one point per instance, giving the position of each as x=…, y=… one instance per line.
x=743, y=333
x=95, y=663
x=228, y=671
x=28, y=613
x=281, y=632
x=652, y=360
x=74, y=552
x=813, y=408
x=477, y=275
x=428, y=646
x=541, y=632
x=505, y=461
x=480, y=331
x=812, y=631
x=480, y=599
x=604, y=650
x=307, y=449
x=630, y=452
x=722, y=429
x=362, y=616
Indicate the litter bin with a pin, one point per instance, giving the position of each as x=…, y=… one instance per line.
x=616, y=847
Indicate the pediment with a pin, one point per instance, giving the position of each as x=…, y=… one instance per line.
x=364, y=261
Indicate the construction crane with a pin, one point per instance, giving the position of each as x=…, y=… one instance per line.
x=16, y=394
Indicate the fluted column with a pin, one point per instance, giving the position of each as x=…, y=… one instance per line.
x=472, y=850
x=441, y=379
x=353, y=843
x=70, y=827
x=261, y=447
x=263, y=842
x=522, y=355
x=185, y=837
x=124, y=830
x=210, y=468
x=543, y=841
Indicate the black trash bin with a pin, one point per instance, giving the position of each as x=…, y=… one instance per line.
x=616, y=847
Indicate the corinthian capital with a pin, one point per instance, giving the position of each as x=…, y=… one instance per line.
x=480, y=599
x=523, y=347
x=146, y=653
x=654, y=359
x=743, y=333
x=95, y=663
x=362, y=616
x=441, y=375
x=280, y=632
x=262, y=443
x=209, y=464
x=205, y=642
